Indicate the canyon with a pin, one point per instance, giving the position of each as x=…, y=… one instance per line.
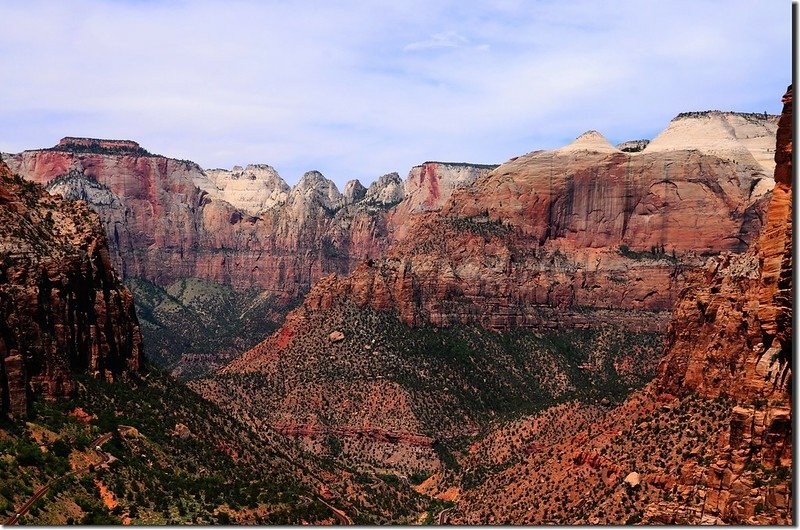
x=593, y=334
x=587, y=247
x=708, y=441
x=584, y=226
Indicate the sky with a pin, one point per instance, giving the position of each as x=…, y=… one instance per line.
x=357, y=89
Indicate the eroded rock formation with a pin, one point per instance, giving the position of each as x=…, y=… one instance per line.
x=710, y=438
x=168, y=219
x=731, y=331
x=584, y=225
x=731, y=335
x=63, y=308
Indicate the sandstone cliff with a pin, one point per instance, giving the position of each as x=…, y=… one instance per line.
x=731, y=335
x=731, y=331
x=584, y=226
x=708, y=441
x=169, y=219
x=252, y=190
x=62, y=306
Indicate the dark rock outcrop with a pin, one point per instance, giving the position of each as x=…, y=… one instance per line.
x=63, y=308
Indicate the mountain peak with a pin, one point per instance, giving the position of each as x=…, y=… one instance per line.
x=747, y=137
x=386, y=190
x=590, y=141
x=354, y=191
x=315, y=187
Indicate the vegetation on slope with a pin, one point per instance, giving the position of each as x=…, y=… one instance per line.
x=443, y=384
x=194, y=325
x=568, y=465
x=213, y=468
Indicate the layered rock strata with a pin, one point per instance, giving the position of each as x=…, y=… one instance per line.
x=731, y=335
x=168, y=219
x=585, y=226
x=709, y=440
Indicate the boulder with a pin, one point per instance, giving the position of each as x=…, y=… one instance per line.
x=633, y=479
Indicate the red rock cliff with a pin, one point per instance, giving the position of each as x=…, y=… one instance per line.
x=731, y=334
x=583, y=226
x=731, y=330
x=161, y=226
x=63, y=308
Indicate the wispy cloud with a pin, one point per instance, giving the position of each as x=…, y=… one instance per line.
x=358, y=89
x=448, y=39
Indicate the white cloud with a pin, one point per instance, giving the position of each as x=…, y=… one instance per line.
x=357, y=90
x=449, y=39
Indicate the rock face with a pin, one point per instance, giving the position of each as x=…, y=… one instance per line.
x=731, y=335
x=710, y=438
x=731, y=135
x=431, y=184
x=387, y=191
x=62, y=306
x=354, y=191
x=169, y=220
x=590, y=141
x=252, y=190
x=95, y=145
x=731, y=331
x=633, y=146
x=583, y=226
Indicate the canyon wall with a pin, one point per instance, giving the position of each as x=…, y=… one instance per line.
x=708, y=441
x=168, y=219
x=731, y=331
x=731, y=335
x=586, y=226
x=63, y=308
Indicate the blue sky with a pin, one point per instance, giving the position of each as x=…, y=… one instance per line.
x=357, y=89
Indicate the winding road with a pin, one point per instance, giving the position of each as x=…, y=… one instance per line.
x=441, y=519
x=95, y=446
x=342, y=517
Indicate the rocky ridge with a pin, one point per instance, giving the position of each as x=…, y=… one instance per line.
x=169, y=220
x=63, y=309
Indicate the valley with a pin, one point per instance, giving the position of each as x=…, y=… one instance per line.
x=593, y=334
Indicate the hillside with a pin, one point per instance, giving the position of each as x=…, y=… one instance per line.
x=173, y=458
x=401, y=399
x=194, y=326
